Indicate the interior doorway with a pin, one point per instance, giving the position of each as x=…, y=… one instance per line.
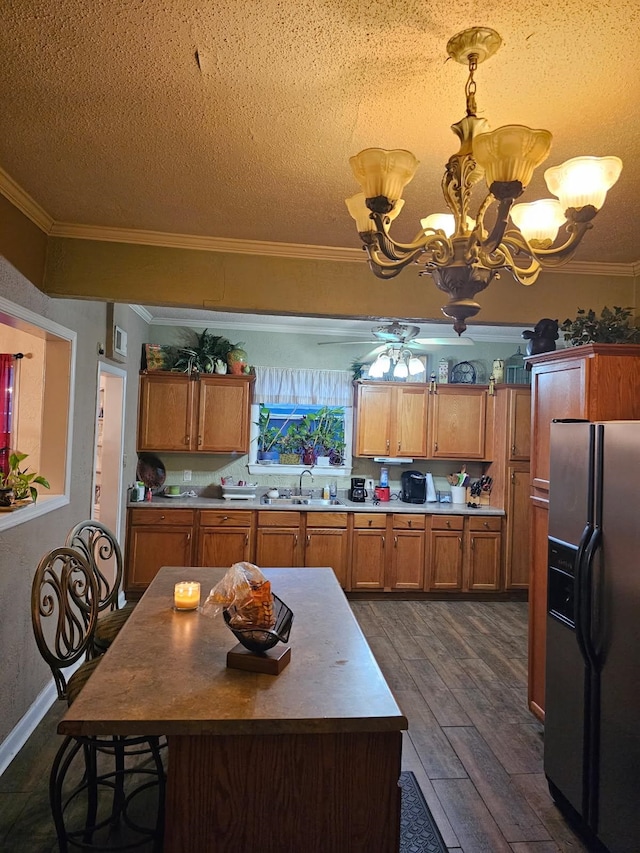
x=109, y=443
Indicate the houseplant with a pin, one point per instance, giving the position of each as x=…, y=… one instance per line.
x=17, y=484
x=268, y=436
x=612, y=327
x=202, y=356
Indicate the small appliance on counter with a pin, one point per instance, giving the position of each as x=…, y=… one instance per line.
x=413, y=487
x=382, y=493
x=357, y=492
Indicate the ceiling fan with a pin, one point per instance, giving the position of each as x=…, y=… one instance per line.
x=403, y=335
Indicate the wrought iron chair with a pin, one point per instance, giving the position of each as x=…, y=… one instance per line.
x=100, y=547
x=64, y=611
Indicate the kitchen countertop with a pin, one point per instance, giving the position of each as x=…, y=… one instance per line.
x=432, y=508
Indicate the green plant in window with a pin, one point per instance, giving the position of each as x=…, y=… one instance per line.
x=20, y=481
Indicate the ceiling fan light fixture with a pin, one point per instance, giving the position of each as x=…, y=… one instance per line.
x=401, y=371
x=415, y=366
x=461, y=256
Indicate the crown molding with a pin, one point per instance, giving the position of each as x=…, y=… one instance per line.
x=31, y=209
x=141, y=311
x=22, y=200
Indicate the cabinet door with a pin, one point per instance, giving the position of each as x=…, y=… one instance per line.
x=519, y=448
x=517, y=555
x=458, y=423
x=373, y=420
x=165, y=413
x=407, y=560
x=445, y=559
x=149, y=548
x=483, y=561
x=368, y=562
x=326, y=547
x=223, y=414
x=223, y=546
x=278, y=546
x=410, y=437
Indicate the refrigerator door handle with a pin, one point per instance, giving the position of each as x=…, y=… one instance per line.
x=584, y=596
x=587, y=533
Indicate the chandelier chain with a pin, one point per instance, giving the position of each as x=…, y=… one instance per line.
x=470, y=88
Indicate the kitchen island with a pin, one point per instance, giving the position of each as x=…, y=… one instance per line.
x=307, y=760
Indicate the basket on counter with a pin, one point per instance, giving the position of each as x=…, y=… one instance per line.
x=261, y=639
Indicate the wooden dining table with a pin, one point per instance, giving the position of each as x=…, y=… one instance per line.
x=306, y=761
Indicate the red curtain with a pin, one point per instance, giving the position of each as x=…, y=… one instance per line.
x=6, y=390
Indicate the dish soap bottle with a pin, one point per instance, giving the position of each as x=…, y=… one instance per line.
x=326, y=494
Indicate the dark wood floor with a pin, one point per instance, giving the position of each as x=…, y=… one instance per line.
x=458, y=671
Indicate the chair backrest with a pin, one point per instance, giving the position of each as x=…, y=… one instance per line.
x=100, y=547
x=64, y=610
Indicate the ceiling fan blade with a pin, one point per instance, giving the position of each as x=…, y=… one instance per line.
x=443, y=342
x=361, y=342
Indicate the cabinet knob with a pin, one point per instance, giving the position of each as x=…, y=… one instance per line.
x=188, y=537
x=473, y=543
x=395, y=541
x=199, y=440
x=308, y=540
x=399, y=446
x=435, y=447
x=387, y=444
x=448, y=524
x=485, y=524
x=162, y=518
x=383, y=541
x=187, y=439
x=460, y=541
x=513, y=448
x=409, y=522
x=225, y=518
x=246, y=539
x=295, y=540
x=370, y=522
x=513, y=476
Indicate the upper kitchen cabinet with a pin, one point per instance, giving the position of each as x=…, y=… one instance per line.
x=519, y=439
x=458, y=422
x=391, y=420
x=180, y=413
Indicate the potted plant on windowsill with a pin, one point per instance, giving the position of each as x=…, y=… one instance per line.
x=19, y=486
x=268, y=437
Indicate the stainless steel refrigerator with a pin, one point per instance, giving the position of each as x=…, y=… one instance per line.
x=592, y=705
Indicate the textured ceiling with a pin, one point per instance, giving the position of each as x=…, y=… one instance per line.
x=237, y=119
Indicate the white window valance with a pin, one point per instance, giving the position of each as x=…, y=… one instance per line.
x=307, y=387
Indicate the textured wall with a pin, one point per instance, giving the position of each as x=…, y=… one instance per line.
x=22, y=672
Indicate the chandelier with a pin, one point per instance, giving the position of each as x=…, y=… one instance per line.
x=461, y=253
x=404, y=363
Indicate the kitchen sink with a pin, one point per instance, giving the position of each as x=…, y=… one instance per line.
x=301, y=500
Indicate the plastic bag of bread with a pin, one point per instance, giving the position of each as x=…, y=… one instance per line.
x=245, y=594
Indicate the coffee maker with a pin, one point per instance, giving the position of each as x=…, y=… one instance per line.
x=357, y=492
x=414, y=487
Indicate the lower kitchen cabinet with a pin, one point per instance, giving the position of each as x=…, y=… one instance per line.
x=465, y=553
x=156, y=538
x=445, y=552
x=483, y=545
x=279, y=540
x=327, y=543
x=387, y=552
x=224, y=538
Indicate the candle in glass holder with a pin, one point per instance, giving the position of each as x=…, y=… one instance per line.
x=186, y=595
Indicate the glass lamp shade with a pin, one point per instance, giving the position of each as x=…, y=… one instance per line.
x=444, y=222
x=540, y=220
x=383, y=173
x=401, y=371
x=380, y=366
x=415, y=366
x=511, y=153
x=583, y=180
x=357, y=207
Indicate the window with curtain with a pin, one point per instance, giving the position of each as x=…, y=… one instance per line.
x=303, y=418
x=7, y=362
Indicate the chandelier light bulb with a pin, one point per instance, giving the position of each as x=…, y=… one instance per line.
x=401, y=371
x=415, y=366
x=444, y=222
x=375, y=370
x=583, y=180
x=539, y=221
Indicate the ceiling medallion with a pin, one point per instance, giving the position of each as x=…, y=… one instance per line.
x=461, y=253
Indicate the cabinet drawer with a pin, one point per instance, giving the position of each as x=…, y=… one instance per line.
x=279, y=519
x=370, y=521
x=326, y=519
x=161, y=516
x=487, y=522
x=406, y=521
x=224, y=518
x=447, y=522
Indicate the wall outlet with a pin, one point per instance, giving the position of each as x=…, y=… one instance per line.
x=186, y=476
x=370, y=486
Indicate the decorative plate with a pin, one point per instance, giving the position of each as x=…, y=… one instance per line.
x=464, y=372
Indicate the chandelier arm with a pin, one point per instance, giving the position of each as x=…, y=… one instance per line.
x=497, y=233
x=421, y=240
x=390, y=267
x=557, y=255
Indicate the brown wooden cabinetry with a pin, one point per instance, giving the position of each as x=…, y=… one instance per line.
x=224, y=537
x=209, y=414
x=464, y=553
x=594, y=382
x=457, y=423
x=388, y=551
x=156, y=538
x=327, y=543
x=391, y=420
x=280, y=539
x=518, y=524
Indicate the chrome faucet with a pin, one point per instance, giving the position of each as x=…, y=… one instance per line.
x=306, y=471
